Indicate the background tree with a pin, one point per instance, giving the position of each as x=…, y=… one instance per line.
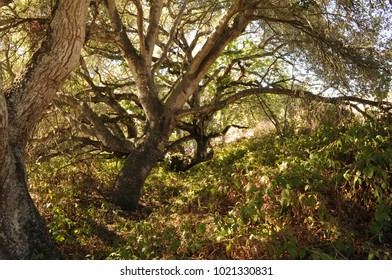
x=23, y=234
x=150, y=68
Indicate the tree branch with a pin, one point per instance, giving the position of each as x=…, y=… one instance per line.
x=99, y=129
x=223, y=34
x=49, y=66
x=153, y=27
x=385, y=105
x=122, y=38
x=225, y=130
x=169, y=42
x=140, y=29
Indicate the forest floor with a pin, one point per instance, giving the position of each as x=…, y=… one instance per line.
x=321, y=195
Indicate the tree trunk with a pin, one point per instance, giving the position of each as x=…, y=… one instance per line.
x=138, y=165
x=130, y=180
x=23, y=234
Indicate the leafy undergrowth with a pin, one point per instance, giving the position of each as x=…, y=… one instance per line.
x=323, y=195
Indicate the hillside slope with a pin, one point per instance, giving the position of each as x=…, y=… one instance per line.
x=322, y=195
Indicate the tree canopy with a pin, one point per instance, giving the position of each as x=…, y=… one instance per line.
x=200, y=57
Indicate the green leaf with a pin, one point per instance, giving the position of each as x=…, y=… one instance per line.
x=369, y=171
x=292, y=250
x=201, y=228
x=176, y=244
x=347, y=176
x=302, y=253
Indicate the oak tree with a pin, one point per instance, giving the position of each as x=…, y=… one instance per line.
x=23, y=234
x=154, y=73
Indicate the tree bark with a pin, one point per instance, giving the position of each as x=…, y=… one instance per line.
x=138, y=165
x=23, y=234
x=130, y=180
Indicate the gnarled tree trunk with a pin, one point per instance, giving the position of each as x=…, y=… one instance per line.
x=23, y=234
x=138, y=165
x=130, y=180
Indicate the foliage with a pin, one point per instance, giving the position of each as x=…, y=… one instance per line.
x=317, y=47
x=321, y=195
x=146, y=74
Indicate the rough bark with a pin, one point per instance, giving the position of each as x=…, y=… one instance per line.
x=138, y=165
x=23, y=234
x=130, y=180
